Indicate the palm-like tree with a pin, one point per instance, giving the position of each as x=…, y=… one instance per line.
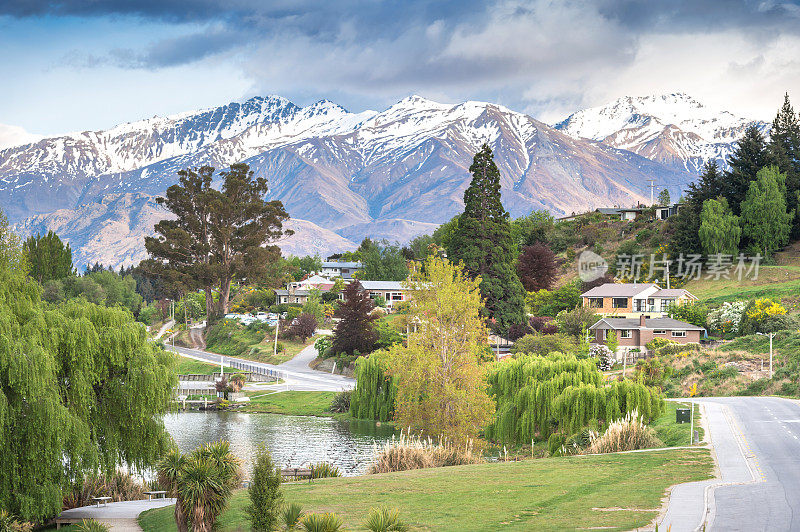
x=201, y=482
x=169, y=471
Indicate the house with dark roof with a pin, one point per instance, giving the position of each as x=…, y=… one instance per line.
x=629, y=300
x=626, y=214
x=635, y=333
x=345, y=270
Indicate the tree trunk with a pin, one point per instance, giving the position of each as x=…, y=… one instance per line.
x=224, y=295
x=209, y=303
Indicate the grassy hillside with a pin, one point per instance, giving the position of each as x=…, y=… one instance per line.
x=613, y=492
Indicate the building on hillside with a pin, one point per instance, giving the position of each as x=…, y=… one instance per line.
x=345, y=270
x=633, y=334
x=662, y=213
x=622, y=213
x=392, y=291
x=298, y=292
x=629, y=300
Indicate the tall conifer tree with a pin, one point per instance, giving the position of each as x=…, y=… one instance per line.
x=483, y=242
x=749, y=156
x=784, y=150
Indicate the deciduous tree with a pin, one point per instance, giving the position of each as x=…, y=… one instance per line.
x=537, y=267
x=356, y=328
x=48, y=257
x=441, y=385
x=719, y=228
x=764, y=217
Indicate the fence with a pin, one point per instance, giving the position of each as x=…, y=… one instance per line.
x=257, y=372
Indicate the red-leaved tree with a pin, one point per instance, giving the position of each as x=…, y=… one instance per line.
x=356, y=328
x=537, y=267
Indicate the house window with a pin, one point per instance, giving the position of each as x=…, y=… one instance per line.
x=595, y=302
x=397, y=296
x=679, y=334
x=619, y=302
x=659, y=331
x=666, y=303
x=625, y=333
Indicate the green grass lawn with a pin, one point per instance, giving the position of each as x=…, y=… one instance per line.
x=675, y=434
x=613, y=492
x=190, y=366
x=291, y=403
x=232, y=339
x=773, y=282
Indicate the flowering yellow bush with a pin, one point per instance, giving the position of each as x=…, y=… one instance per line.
x=764, y=308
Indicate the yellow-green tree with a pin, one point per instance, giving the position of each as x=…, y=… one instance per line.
x=441, y=386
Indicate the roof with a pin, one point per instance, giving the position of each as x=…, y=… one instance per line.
x=673, y=292
x=342, y=265
x=618, y=290
x=287, y=293
x=606, y=210
x=649, y=323
x=382, y=285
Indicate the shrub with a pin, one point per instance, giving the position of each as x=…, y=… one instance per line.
x=291, y=516
x=554, y=443
x=694, y=313
x=543, y=324
x=544, y=344
x=410, y=452
x=9, y=524
x=657, y=343
x=604, y=356
x=119, y=486
x=387, y=335
x=518, y=330
x=626, y=434
x=384, y=520
x=327, y=522
x=727, y=318
x=324, y=470
x=264, y=492
x=574, y=322
x=90, y=525
x=341, y=402
x=756, y=387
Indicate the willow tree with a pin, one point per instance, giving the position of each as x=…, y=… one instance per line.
x=374, y=394
x=441, y=386
x=81, y=391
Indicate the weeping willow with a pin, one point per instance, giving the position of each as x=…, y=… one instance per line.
x=537, y=395
x=374, y=394
x=81, y=390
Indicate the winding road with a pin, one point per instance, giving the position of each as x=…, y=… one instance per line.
x=756, y=441
x=295, y=372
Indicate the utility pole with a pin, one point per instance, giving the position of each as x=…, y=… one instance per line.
x=277, y=326
x=691, y=423
x=771, y=336
x=652, y=186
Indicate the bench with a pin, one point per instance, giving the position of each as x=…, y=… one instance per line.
x=158, y=494
x=296, y=473
x=98, y=500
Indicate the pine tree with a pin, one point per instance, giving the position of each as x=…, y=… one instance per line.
x=719, y=228
x=356, y=328
x=749, y=156
x=683, y=228
x=764, y=217
x=663, y=198
x=784, y=149
x=484, y=244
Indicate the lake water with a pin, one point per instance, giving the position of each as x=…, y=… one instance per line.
x=294, y=441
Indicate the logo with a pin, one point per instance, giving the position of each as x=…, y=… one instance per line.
x=591, y=266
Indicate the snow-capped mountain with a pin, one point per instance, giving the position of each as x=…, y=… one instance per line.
x=392, y=174
x=673, y=129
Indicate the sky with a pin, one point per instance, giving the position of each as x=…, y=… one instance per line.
x=74, y=65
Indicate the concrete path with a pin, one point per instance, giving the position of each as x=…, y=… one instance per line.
x=164, y=328
x=120, y=516
x=756, y=442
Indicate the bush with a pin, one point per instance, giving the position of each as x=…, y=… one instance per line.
x=518, y=330
x=544, y=344
x=657, y=343
x=119, y=486
x=328, y=522
x=387, y=335
x=574, y=322
x=554, y=443
x=324, y=470
x=604, y=356
x=384, y=520
x=264, y=492
x=625, y=434
x=291, y=516
x=9, y=524
x=90, y=525
x=694, y=313
x=411, y=452
x=341, y=402
x=543, y=324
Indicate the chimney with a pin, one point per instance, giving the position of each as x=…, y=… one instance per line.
x=641, y=320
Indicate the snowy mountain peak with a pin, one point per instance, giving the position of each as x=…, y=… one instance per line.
x=674, y=128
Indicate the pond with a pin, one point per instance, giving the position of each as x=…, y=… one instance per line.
x=294, y=441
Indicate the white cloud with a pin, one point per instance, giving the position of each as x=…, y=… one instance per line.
x=14, y=136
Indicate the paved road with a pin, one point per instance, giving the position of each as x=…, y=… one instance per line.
x=296, y=373
x=757, y=444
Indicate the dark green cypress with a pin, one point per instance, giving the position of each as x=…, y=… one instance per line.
x=484, y=244
x=784, y=151
x=749, y=156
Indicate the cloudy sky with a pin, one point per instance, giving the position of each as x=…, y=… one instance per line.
x=89, y=64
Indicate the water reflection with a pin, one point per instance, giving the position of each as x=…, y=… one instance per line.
x=294, y=441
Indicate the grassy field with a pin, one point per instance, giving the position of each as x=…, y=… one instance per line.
x=190, y=366
x=778, y=282
x=613, y=492
x=290, y=403
x=675, y=434
x=251, y=343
